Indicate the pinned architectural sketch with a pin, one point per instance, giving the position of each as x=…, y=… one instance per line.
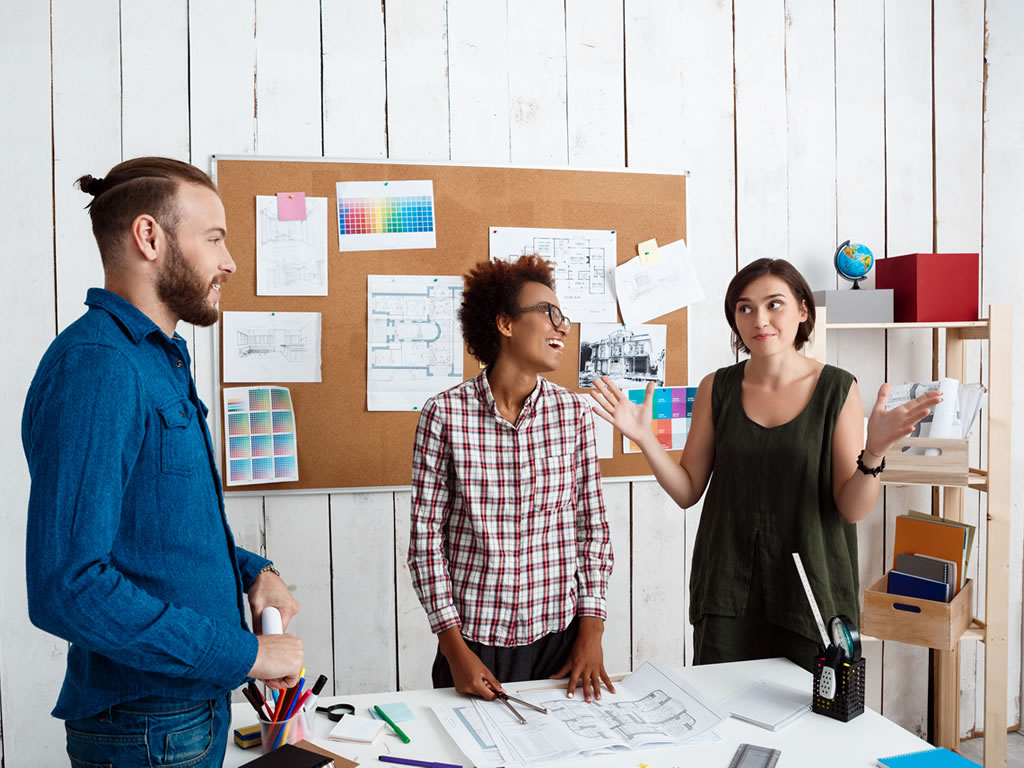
x=271, y=346
x=414, y=343
x=385, y=215
x=584, y=262
x=260, y=430
x=647, y=292
x=291, y=255
x=628, y=355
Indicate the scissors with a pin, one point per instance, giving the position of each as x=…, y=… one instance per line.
x=337, y=711
x=506, y=700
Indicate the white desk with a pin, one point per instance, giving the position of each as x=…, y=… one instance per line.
x=812, y=741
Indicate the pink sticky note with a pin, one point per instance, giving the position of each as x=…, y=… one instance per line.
x=291, y=206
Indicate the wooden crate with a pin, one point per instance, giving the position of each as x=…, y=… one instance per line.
x=919, y=622
x=950, y=467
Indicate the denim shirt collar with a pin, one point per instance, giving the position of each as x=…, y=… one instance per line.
x=135, y=323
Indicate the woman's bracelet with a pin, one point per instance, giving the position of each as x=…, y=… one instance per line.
x=873, y=471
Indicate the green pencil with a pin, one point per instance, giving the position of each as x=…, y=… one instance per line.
x=389, y=721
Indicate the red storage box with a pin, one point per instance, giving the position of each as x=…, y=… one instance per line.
x=931, y=287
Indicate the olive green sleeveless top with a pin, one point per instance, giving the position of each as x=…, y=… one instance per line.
x=771, y=493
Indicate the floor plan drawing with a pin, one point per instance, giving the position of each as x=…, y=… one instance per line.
x=656, y=714
x=414, y=343
x=584, y=263
x=291, y=256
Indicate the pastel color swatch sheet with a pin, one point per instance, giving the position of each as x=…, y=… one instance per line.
x=261, y=443
x=671, y=412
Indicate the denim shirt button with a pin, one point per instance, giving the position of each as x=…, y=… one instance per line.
x=178, y=363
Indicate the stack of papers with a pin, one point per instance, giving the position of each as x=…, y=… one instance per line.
x=768, y=705
x=651, y=707
x=362, y=730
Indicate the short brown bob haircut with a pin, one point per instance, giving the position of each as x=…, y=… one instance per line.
x=492, y=289
x=132, y=188
x=783, y=270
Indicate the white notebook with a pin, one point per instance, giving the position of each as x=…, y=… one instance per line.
x=768, y=705
x=355, y=728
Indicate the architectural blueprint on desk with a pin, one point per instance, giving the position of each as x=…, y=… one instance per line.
x=652, y=707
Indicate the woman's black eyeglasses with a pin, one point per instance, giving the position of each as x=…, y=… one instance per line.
x=554, y=314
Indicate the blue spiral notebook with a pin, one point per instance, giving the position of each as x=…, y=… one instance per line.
x=929, y=758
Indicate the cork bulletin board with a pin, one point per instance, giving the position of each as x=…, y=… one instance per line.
x=340, y=443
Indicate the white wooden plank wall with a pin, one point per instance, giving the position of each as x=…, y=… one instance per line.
x=803, y=123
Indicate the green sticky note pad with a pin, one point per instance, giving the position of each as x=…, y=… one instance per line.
x=398, y=711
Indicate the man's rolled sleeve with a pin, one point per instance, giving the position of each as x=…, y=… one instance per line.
x=593, y=539
x=431, y=505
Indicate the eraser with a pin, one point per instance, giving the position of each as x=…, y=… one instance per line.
x=248, y=737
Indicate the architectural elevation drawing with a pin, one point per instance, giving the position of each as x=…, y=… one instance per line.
x=271, y=346
x=414, y=344
x=584, y=262
x=291, y=256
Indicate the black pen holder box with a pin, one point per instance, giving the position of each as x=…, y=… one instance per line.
x=848, y=701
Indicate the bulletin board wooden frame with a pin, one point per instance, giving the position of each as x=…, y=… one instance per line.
x=340, y=443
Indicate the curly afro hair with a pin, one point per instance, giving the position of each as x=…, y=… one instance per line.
x=492, y=289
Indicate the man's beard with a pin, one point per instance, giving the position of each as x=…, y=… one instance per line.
x=182, y=288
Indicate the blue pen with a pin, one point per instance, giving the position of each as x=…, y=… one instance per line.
x=421, y=763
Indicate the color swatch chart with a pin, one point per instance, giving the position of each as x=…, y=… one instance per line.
x=385, y=215
x=260, y=435
x=671, y=413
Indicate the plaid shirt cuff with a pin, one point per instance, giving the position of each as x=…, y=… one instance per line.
x=589, y=605
x=443, y=619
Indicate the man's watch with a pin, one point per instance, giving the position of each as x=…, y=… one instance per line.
x=270, y=567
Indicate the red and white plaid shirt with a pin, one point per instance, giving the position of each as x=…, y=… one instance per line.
x=509, y=537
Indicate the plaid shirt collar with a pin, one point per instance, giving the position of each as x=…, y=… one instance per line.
x=486, y=397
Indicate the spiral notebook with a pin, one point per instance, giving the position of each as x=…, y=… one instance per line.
x=929, y=758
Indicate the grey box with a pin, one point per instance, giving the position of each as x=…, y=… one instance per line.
x=865, y=305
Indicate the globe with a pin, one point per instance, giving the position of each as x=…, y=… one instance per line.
x=853, y=262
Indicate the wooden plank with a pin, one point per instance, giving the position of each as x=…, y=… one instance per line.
x=33, y=662
x=660, y=600
x=363, y=580
x=478, y=74
x=245, y=518
x=354, y=87
x=617, y=641
x=288, y=86
x=538, y=132
x=417, y=79
x=154, y=79
x=86, y=82
x=762, y=145
x=299, y=543
x=416, y=643
x=595, y=81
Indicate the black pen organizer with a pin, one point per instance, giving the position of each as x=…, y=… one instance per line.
x=848, y=701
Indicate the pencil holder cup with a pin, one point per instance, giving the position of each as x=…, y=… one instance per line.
x=848, y=701
x=291, y=731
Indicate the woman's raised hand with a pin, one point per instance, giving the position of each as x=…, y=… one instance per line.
x=886, y=427
x=631, y=419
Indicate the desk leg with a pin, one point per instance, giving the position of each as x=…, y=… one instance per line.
x=947, y=699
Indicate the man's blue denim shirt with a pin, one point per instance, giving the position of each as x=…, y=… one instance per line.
x=129, y=554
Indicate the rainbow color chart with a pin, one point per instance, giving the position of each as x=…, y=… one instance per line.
x=385, y=215
x=260, y=435
x=671, y=412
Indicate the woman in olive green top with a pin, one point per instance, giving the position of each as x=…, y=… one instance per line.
x=780, y=438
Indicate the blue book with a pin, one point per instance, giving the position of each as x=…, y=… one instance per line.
x=909, y=585
x=929, y=758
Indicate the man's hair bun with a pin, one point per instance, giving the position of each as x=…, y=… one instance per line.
x=91, y=185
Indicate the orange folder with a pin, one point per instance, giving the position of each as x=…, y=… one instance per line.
x=925, y=537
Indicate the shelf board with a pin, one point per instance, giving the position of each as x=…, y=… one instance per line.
x=976, y=479
x=910, y=326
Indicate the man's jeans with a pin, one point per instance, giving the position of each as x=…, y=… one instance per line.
x=152, y=732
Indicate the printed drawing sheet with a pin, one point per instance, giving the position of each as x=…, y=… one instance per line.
x=271, y=346
x=260, y=428
x=414, y=343
x=659, y=288
x=584, y=265
x=291, y=256
x=652, y=707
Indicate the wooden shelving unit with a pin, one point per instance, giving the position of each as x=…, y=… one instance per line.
x=951, y=472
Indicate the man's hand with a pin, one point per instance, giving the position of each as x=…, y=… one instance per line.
x=279, y=661
x=469, y=673
x=269, y=589
x=585, y=665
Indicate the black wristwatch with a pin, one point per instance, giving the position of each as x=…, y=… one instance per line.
x=873, y=471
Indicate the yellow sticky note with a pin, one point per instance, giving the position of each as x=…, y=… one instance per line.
x=649, y=253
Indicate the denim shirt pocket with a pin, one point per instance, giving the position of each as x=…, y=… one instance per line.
x=178, y=437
